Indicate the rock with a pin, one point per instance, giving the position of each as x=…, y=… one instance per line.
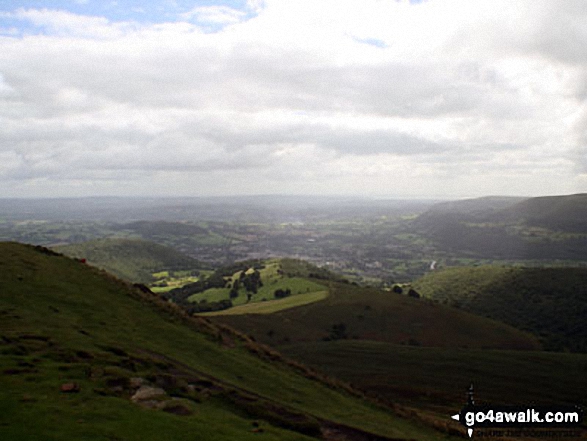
x=70, y=388
x=136, y=382
x=146, y=393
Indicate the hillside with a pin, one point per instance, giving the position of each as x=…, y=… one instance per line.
x=130, y=259
x=86, y=356
x=351, y=312
x=560, y=213
x=549, y=302
x=477, y=207
x=542, y=228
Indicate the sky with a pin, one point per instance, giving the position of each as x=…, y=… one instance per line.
x=377, y=98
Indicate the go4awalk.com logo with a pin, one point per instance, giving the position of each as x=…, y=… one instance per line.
x=517, y=417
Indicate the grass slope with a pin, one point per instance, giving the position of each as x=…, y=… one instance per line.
x=270, y=307
x=560, y=213
x=130, y=259
x=63, y=321
x=549, y=302
x=370, y=314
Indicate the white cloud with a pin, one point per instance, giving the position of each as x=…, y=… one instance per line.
x=457, y=98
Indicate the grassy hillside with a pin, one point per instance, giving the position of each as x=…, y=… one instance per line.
x=559, y=213
x=549, y=302
x=351, y=312
x=86, y=356
x=544, y=228
x=132, y=260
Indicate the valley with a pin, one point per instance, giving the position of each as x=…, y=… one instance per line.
x=394, y=309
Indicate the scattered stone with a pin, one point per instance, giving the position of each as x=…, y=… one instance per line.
x=137, y=382
x=146, y=393
x=70, y=388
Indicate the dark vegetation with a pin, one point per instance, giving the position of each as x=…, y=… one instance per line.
x=548, y=302
x=217, y=279
x=545, y=228
x=435, y=379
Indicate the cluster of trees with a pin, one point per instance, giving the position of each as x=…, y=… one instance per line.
x=205, y=306
x=282, y=293
x=251, y=282
x=411, y=292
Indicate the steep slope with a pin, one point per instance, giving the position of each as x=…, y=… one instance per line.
x=549, y=302
x=76, y=344
x=130, y=259
x=351, y=312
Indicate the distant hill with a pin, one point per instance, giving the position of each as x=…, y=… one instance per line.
x=84, y=355
x=549, y=302
x=130, y=259
x=351, y=312
x=544, y=228
x=477, y=207
x=559, y=213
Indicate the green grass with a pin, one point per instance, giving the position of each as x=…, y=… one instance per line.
x=65, y=321
x=272, y=306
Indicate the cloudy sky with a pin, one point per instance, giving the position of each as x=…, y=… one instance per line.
x=384, y=98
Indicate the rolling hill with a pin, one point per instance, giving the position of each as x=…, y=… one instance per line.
x=559, y=213
x=130, y=259
x=84, y=355
x=549, y=302
x=278, y=283
x=351, y=312
x=542, y=228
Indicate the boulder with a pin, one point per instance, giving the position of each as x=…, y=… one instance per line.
x=147, y=393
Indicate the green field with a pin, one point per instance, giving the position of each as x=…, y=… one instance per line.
x=272, y=306
x=63, y=321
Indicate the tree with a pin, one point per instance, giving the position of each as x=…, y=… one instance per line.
x=413, y=293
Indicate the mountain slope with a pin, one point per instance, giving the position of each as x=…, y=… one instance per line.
x=76, y=344
x=550, y=302
x=130, y=259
